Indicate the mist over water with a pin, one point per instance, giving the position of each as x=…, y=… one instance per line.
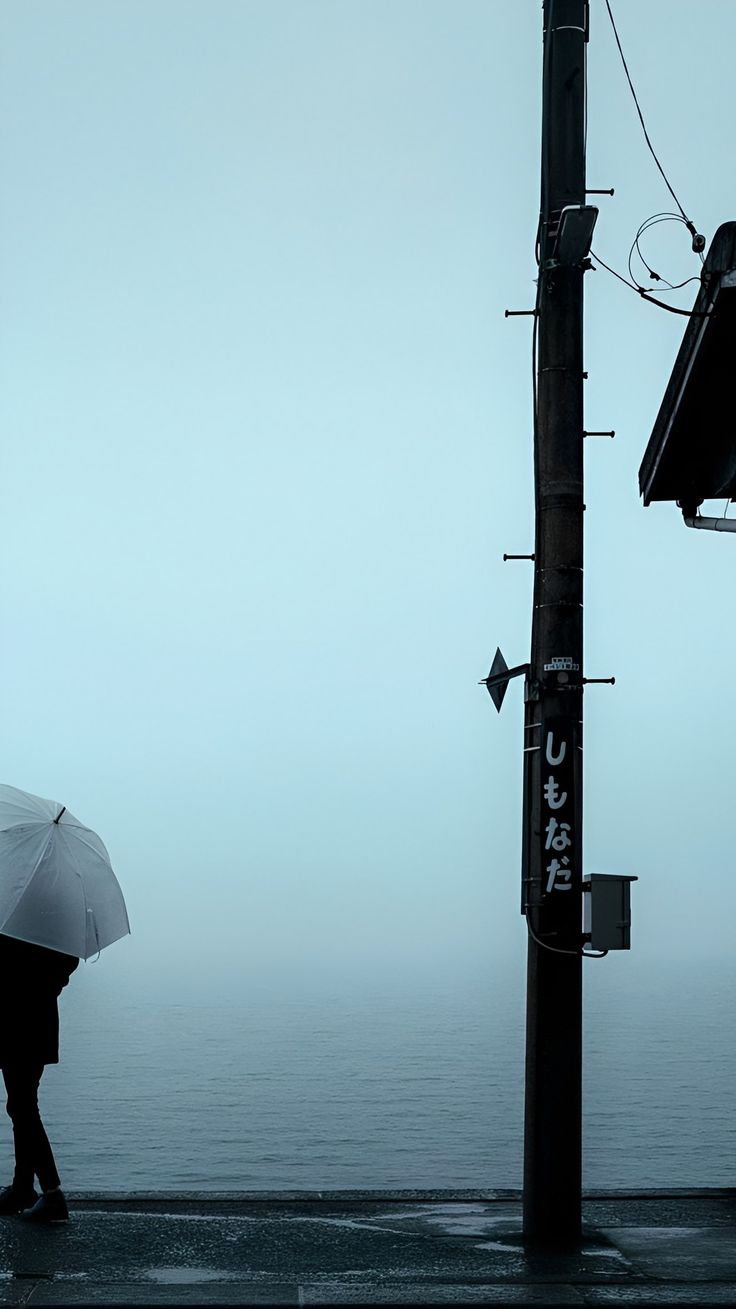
x=377, y=1081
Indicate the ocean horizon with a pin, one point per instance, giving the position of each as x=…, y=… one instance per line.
x=372, y=1086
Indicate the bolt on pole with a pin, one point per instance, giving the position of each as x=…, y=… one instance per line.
x=553, y=808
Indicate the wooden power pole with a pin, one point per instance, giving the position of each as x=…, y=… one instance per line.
x=552, y=892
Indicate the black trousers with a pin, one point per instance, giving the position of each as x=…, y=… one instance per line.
x=33, y=1153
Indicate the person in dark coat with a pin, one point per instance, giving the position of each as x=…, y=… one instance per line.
x=31, y=979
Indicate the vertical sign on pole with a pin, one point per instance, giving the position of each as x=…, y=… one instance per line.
x=557, y=804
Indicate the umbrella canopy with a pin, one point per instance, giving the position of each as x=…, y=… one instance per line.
x=57, y=886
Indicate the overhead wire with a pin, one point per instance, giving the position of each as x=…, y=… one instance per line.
x=643, y=124
x=646, y=295
x=698, y=241
x=648, y=223
x=608, y=268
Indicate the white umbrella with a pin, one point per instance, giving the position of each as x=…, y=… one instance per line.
x=57, y=886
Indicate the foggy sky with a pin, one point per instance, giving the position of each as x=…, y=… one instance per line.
x=266, y=436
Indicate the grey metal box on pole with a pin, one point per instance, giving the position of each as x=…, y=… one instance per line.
x=607, y=911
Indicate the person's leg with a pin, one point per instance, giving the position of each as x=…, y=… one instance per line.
x=33, y=1153
x=24, y=1170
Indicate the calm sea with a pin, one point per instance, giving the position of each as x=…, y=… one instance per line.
x=373, y=1086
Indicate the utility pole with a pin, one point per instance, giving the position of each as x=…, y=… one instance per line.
x=553, y=810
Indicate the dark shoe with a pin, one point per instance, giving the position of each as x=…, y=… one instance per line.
x=51, y=1208
x=13, y=1202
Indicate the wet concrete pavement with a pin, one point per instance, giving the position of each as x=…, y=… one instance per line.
x=369, y=1247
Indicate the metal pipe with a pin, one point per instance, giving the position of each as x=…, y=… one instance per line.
x=711, y=524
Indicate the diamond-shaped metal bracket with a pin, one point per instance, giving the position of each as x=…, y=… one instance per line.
x=499, y=678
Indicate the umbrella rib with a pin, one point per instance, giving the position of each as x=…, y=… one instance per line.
x=79, y=830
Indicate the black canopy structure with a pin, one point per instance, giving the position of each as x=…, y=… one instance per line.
x=691, y=455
